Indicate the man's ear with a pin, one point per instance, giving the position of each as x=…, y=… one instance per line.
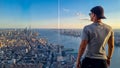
x=94, y=15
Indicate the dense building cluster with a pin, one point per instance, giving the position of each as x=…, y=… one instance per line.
x=23, y=48
x=71, y=32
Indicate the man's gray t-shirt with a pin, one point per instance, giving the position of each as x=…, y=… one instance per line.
x=97, y=35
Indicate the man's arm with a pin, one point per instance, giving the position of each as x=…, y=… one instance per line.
x=81, y=51
x=110, y=49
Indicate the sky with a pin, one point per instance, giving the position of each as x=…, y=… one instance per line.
x=55, y=13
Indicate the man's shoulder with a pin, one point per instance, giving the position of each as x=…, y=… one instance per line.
x=88, y=26
x=92, y=26
x=107, y=26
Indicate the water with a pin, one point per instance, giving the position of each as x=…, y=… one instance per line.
x=67, y=41
x=115, y=63
x=74, y=42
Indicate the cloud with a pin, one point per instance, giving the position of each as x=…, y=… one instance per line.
x=80, y=14
x=77, y=14
x=73, y=22
x=85, y=19
x=66, y=10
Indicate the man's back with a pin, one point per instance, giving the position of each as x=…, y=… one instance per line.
x=97, y=36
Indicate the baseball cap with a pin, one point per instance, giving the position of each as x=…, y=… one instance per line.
x=99, y=11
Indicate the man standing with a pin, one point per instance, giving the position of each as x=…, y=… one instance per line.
x=95, y=36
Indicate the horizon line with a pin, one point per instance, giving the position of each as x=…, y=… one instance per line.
x=47, y=28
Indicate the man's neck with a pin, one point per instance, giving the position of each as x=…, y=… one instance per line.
x=97, y=21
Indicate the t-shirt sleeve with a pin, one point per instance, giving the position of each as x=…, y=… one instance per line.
x=84, y=34
x=112, y=34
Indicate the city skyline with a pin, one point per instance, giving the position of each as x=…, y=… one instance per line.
x=55, y=13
